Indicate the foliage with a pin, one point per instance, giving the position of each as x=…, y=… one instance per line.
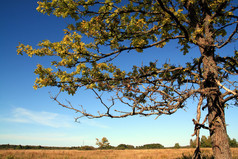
x=134, y=25
x=150, y=146
x=206, y=142
x=192, y=143
x=176, y=145
x=124, y=146
x=233, y=142
x=103, y=144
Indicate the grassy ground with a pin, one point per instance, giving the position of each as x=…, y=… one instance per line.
x=106, y=154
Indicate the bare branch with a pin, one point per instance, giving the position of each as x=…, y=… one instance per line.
x=229, y=38
x=196, y=128
x=225, y=26
x=228, y=90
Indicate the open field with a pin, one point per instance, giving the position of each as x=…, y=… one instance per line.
x=104, y=154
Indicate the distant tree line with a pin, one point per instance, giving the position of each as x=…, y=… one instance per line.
x=119, y=147
x=207, y=142
x=104, y=144
x=16, y=147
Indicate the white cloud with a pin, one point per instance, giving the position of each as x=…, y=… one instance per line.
x=55, y=120
x=93, y=123
x=22, y=115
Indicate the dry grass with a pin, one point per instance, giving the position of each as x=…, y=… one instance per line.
x=104, y=154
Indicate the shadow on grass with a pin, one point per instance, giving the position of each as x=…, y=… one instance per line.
x=185, y=156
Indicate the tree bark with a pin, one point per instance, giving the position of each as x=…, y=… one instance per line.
x=216, y=114
x=218, y=133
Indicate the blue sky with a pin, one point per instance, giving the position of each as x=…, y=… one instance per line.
x=30, y=117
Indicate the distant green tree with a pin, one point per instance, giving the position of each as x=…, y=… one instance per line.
x=192, y=143
x=27, y=147
x=206, y=141
x=177, y=146
x=124, y=146
x=151, y=146
x=233, y=142
x=39, y=147
x=103, y=144
x=19, y=147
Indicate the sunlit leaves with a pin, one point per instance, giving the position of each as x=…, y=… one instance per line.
x=46, y=77
x=114, y=26
x=60, y=8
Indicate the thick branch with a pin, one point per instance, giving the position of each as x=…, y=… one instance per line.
x=228, y=90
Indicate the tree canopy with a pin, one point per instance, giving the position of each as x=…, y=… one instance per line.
x=134, y=25
x=103, y=143
x=115, y=27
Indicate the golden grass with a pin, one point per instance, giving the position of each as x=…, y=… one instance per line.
x=104, y=154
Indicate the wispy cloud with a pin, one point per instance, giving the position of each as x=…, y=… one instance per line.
x=22, y=115
x=55, y=120
x=93, y=123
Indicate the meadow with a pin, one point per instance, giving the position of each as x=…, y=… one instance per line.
x=182, y=153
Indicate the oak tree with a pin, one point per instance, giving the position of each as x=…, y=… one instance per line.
x=103, y=144
x=115, y=27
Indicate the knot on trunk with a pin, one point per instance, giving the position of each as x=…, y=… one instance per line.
x=210, y=80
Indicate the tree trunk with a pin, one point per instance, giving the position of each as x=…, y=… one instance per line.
x=216, y=115
x=217, y=125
